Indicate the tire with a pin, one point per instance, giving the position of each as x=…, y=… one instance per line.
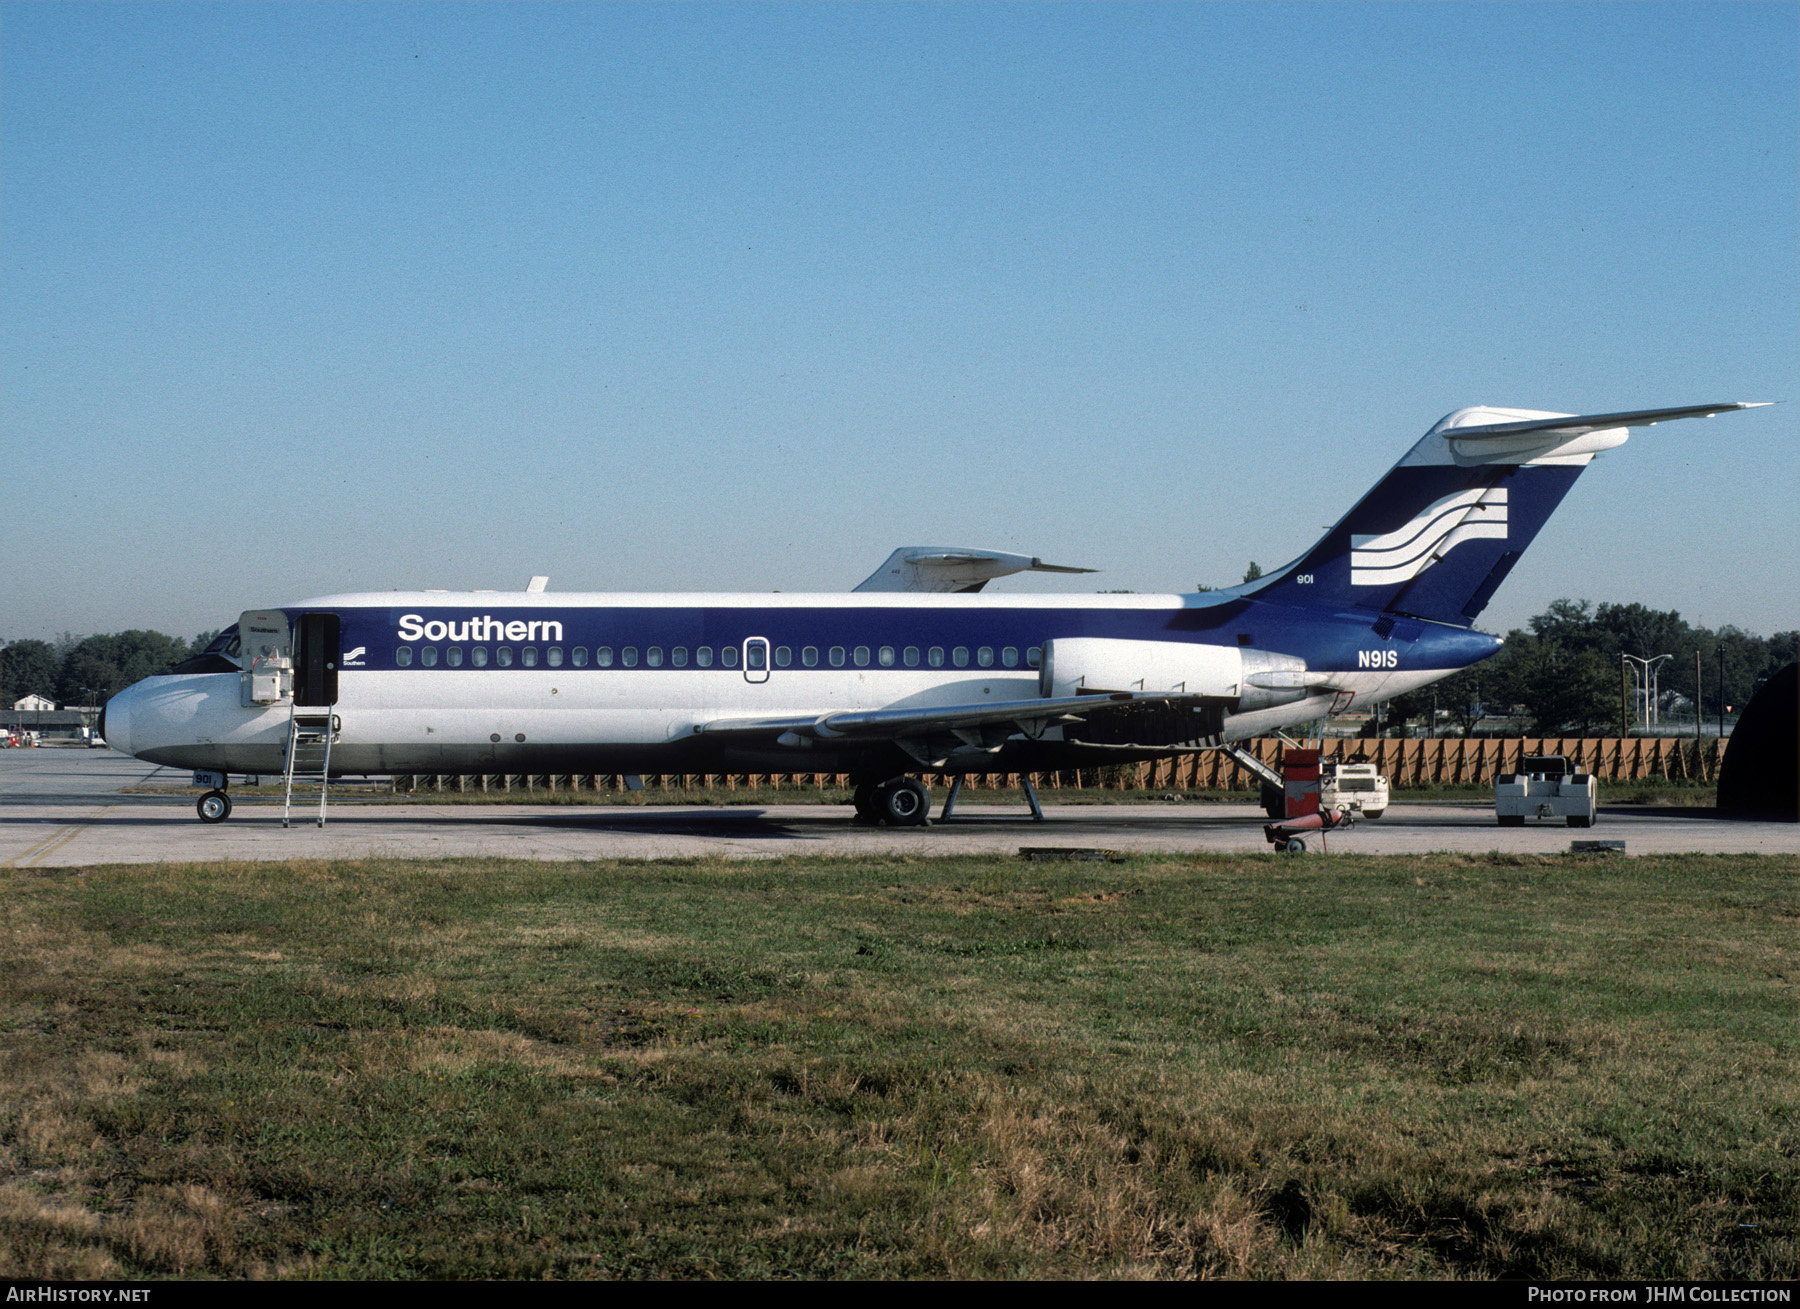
x=1294, y=846
x=1373, y=813
x=1580, y=820
x=1512, y=820
x=864, y=800
x=904, y=802
x=213, y=807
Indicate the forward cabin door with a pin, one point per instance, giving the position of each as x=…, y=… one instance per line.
x=316, y=658
x=266, y=654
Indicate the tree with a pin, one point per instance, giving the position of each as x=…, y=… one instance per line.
x=1646, y=633
x=102, y=666
x=1565, y=670
x=1569, y=625
x=1458, y=695
x=1563, y=687
x=1253, y=572
x=27, y=668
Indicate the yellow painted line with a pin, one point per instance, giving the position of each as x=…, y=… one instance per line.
x=55, y=841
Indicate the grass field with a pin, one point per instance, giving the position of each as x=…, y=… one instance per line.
x=1424, y=1067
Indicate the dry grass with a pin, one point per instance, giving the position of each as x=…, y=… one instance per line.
x=1226, y=1067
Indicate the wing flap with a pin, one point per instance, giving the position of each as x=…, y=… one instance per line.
x=1031, y=717
x=1028, y=717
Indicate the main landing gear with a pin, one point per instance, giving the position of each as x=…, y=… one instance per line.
x=898, y=802
x=213, y=807
x=906, y=802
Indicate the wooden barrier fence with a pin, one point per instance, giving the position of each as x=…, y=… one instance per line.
x=1407, y=763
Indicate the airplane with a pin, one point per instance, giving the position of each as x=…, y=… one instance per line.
x=898, y=678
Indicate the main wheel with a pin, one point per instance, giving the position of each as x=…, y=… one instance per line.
x=1580, y=820
x=904, y=802
x=213, y=807
x=1512, y=820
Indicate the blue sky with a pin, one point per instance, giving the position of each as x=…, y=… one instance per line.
x=309, y=298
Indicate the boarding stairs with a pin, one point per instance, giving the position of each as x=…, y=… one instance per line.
x=310, y=734
x=1250, y=763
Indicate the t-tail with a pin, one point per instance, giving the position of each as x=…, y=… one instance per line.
x=1435, y=537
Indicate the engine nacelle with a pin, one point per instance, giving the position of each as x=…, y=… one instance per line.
x=1254, y=679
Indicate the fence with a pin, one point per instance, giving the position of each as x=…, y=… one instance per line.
x=1448, y=762
x=1406, y=763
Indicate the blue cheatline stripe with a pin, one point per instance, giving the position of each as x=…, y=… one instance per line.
x=1327, y=637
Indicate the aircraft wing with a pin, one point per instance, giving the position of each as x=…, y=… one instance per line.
x=1580, y=424
x=901, y=722
x=932, y=733
x=941, y=569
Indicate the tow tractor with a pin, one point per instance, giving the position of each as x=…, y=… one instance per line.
x=1544, y=787
x=1357, y=788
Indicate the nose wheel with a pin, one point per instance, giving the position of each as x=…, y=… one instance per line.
x=213, y=807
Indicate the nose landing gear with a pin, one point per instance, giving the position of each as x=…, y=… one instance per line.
x=213, y=807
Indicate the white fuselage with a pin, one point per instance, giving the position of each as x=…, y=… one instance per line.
x=397, y=714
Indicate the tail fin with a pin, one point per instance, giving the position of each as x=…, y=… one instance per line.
x=1435, y=537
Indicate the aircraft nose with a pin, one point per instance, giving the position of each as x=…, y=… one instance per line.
x=115, y=721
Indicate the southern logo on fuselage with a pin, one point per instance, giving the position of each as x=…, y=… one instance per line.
x=485, y=627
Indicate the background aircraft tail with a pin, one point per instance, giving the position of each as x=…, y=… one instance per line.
x=1435, y=537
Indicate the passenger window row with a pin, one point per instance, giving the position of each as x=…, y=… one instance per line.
x=837, y=656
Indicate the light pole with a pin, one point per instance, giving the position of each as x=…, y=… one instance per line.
x=1699, y=688
x=1719, y=655
x=1624, y=714
x=1647, y=684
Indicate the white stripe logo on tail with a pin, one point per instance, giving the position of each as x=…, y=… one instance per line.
x=1405, y=552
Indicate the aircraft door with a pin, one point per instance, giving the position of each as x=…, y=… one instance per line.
x=316, y=656
x=266, y=654
x=756, y=659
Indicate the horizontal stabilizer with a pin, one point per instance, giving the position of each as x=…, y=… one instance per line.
x=1579, y=424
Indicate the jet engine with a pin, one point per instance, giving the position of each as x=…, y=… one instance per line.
x=1252, y=679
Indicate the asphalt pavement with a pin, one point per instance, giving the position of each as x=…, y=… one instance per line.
x=62, y=807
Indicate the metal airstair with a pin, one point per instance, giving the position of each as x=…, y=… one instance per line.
x=1251, y=764
x=310, y=734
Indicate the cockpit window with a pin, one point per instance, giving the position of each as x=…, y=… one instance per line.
x=220, y=656
x=225, y=643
